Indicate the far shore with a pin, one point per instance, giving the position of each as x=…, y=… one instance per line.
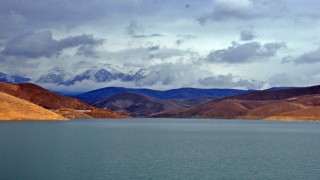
x=267, y=119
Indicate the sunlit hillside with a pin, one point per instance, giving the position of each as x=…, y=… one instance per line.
x=12, y=108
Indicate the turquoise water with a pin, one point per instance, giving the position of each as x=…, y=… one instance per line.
x=160, y=149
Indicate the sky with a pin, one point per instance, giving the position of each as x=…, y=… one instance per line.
x=248, y=44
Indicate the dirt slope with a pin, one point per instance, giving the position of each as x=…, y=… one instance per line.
x=13, y=108
x=42, y=97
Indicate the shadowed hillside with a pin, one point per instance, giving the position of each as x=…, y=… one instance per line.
x=135, y=104
x=182, y=93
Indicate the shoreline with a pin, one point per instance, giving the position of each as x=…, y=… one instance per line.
x=64, y=120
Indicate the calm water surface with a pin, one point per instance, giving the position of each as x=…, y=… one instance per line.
x=160, y=149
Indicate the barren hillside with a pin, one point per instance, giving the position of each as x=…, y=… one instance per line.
x=12, y=108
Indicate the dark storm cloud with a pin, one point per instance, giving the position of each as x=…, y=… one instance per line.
x=136, y=30
x=245, y=53
x=41, y=44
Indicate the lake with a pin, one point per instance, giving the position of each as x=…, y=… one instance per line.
x=159, y=149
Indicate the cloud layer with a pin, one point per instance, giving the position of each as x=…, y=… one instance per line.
x=207, y=43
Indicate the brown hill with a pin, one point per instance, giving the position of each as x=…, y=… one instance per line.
x=49, y=100
x=42, y=97
x=13, y=108
x=214, y=109
x=309, y=109
x=268, y=95
x=297, y=108
x=273, y=109
x=301, y=107
x=283, y=104
x=228, y=109
x=312, y=113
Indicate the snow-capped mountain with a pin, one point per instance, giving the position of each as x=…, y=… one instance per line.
x=54, y=77
x=13, y=78
x=101, y=75
x=98, y=74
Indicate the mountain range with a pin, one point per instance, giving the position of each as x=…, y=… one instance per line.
x=182, y=93
x=275, y=103
x=97, y=74
x=284, y=103
x=72, y=82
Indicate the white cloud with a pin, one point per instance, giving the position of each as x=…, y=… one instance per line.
x=294, y=80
